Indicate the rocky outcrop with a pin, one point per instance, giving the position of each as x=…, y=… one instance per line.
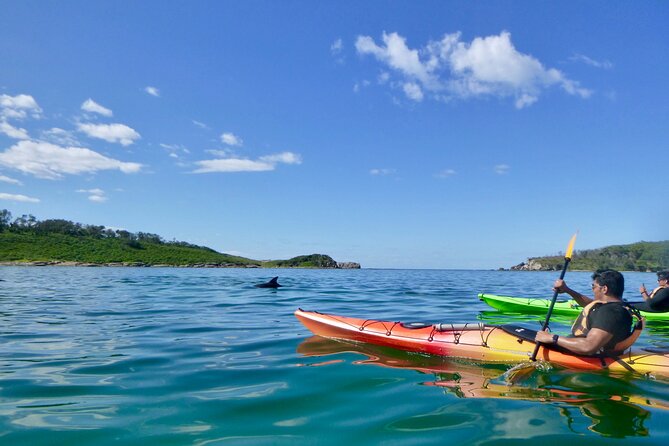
x=348, y=265
x=534, y=264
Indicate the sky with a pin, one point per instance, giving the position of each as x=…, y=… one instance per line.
x=396, y=134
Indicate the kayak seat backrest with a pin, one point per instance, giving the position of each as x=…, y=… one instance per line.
x=415, y=325
x=445, y=326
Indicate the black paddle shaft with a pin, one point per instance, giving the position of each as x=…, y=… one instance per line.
x=550, y=308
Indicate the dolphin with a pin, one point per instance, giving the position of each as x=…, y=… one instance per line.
x=271, y=284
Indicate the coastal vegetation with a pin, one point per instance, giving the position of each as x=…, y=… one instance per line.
x=26, y=240
x=640, y=256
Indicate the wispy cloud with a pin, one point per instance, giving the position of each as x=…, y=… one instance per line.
x=231, y=139
x=94, y=195
x=502, y=169
x=117, y=133
x=384, y=171
x=60, y=136
x=13, y=132
x=336, y=47
x=360, y=85
x=450, y=68
x=91, y=106
x=174, y=150
x=18, y=197
x=604, y=64
x=446, y=173
x=50, y=161
x=202, y=125
x=5, y=179
x=232, y=164
x=153, y=91
x=18, y=107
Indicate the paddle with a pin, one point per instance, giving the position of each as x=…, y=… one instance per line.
x=567, y=259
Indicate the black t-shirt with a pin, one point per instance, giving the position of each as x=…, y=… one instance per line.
x=613, y=318
x=659, y=303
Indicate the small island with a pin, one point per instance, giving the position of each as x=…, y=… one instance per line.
x=641, y=256
x=55, y=242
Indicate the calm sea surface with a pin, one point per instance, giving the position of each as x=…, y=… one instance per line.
x=163, y=356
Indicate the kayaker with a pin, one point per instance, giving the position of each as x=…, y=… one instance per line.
x=658, y=300
x=605, y=321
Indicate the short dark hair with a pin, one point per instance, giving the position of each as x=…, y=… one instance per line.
x=662, y=275
x=612, y=279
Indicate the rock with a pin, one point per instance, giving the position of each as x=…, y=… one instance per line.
x=348, y=265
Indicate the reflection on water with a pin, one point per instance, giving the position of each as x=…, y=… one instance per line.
x=613, y=405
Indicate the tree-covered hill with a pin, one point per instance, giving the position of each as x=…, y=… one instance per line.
x=641, y=256
x=28, y=240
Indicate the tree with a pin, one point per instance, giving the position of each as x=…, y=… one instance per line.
x=5, y=218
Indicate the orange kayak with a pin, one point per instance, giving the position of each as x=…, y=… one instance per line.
x=476, y=341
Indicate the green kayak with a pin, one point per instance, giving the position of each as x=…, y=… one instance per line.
x=539, y=305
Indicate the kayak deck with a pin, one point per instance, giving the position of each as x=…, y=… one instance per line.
x=476, y=341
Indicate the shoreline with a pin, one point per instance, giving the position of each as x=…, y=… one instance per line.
x=58, y=263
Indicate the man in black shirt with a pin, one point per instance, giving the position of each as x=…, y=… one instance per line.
x=604, y=321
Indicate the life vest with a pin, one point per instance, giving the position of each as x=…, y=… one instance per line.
x=580, y=328
x=655, y=291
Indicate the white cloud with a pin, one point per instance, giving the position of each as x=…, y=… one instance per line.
x=604, y=64
x=50, y=161
x=264, y=163
x=413, y=91
x=231, y=139
x=232, y=165
x=13, y=132
x=447, y=68
x=5, y=179
x=153, y=91
x=501, y=169
x=200, y=124
x=93, y=107
x=18, y=197
x=18, y=107
x=94, y=195
x=382, y=171
x=283, y=157
x=119, y=133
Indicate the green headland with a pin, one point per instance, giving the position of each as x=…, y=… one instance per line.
x=28, y=241
x=640, y=256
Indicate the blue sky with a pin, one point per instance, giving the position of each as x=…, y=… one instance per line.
x=395, y=134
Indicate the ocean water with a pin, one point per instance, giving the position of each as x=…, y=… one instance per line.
x=167, y=356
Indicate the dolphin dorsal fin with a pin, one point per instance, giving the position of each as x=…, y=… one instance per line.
x=274, y=280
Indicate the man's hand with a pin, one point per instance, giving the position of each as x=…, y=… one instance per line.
x=544, y=337
x=560, y=286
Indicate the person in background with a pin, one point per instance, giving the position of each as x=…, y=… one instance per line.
x=604, y=325
x=658, y=300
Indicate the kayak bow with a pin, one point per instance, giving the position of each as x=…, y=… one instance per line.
x=477, y=341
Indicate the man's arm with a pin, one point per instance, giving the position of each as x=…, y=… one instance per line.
x=589, y=345
x=561, y=287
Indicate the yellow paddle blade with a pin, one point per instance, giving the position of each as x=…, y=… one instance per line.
x=570, y=248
